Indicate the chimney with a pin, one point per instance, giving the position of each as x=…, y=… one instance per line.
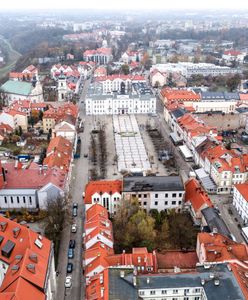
x=3, y=226
x=147, y=280
x=31, y=268
x=18, y=258
x=33, y=258
x=122, y=274
x=16, y=231
x=14, y=269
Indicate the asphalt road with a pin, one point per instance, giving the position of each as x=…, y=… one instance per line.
x=79, y=179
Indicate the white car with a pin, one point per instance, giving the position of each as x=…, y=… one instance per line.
x=74, y=228
x=68, y=281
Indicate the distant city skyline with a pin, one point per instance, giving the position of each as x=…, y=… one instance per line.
x=127, y=4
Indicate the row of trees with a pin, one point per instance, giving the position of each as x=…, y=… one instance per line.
x=134, y=227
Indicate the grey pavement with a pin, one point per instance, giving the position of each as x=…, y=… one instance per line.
x=79, y=179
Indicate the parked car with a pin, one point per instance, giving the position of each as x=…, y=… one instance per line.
x=72, y=244
x=68, y=281
x=75, y=205
x=74, y=211
x=74, y=228
x=70, y=253
x=69, y=268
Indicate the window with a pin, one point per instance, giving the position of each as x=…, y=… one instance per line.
x=175, y=292
x=24, y=199
x=142, y=293
x=152, y=292
x=173, y=202
x=197, y=298
x=5, y=199
x=139, y=195
x=164, y=292
x=30, y=200
x=197, y=290
x=18, y=200
x=166, y=195
x=174, y=195
x=145, y=195
x=179, y=202
x=11, y=199
x=180, y=194
x=156, y=203
x=144, y=203
x=165, y=202
x=156, y=195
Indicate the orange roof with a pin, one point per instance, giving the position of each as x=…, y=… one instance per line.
x=59, y=153
x=100, y=187
x=60, y=113
x=173, y=258
x=243, y=190
x=219, y=248
x=196, y=195
x=243, y=97
x=240, y=274
x=27, y=261
x=96, y=211
x=179, y=95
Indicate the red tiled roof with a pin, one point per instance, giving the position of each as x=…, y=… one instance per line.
x=102, y=186
x=196, y=195
x=101, y=51
x=32, y=177
x=121, y=76
x=243, y=190
x=219, y=248
x=179, y=95
x=232, y=52
x=240, y=274
x=173, y=258
x=21, y=282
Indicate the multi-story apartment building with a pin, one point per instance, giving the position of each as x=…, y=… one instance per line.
x=107, y=193
x=156, y=192
x=240, y=200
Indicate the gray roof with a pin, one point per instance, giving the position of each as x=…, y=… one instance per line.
x=214, y=220
x=152, y=183
x=177, y=113
x=123, y=288
x=215, y=96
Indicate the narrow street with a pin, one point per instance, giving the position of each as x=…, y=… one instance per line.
x=79, y=179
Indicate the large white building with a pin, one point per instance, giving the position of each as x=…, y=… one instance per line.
x=240, y=200
x=188, y=69
x=29, y=187
x=139, y=100
x=155, y=192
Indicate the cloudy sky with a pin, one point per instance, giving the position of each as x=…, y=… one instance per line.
x=124, y=4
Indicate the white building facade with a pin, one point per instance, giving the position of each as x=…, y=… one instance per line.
x=240, y=200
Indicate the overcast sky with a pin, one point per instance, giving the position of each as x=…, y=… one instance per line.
x=124, y=4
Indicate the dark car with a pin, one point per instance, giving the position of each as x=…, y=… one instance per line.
x=72, y=244
x=74, y=212
x=69, y=268
x=75, y=205
x=70, y=253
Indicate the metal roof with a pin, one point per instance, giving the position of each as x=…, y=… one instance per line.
x=152, y=183
x=17, y=87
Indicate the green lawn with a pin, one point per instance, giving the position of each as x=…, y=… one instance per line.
x=13, y=57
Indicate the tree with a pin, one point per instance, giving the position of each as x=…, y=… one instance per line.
x=58, y=217
x=233, y=82
x=133, y=227
x=20, y=131
x=125, y=69
x=40, y=115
